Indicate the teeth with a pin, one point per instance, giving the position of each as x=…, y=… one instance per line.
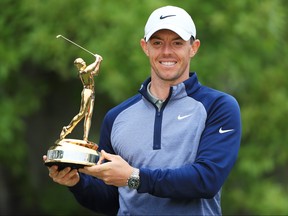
x=168, y=63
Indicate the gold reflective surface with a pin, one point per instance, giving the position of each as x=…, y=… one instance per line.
x=77, y=153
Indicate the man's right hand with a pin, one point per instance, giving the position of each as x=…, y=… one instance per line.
x=67, y=177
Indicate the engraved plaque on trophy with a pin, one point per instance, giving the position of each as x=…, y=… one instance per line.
x=77, y=153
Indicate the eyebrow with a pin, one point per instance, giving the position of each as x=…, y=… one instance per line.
x=157, y=37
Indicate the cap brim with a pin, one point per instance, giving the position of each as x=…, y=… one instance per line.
x=183, y=34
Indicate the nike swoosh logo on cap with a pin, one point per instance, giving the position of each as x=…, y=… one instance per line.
x=221, y=131
x=163, y=17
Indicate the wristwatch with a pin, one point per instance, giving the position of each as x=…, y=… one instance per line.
x=134, y=179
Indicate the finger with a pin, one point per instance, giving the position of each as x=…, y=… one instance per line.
x=87, y=169
x=44, y=158
x=101, y=159
x=71, y=174
x=83, y=170
x=53, y=171
x=96, y=170
x=69, y=179
x=106, y=155
x=64, y=172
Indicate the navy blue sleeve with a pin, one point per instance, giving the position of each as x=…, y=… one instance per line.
x=217, y=154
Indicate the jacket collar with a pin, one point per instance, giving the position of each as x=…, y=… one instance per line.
x=188, y=87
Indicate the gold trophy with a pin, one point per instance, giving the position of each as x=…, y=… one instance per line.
x=76, y=153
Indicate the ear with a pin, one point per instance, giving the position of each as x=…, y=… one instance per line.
x=144, y=46
x=194, y=47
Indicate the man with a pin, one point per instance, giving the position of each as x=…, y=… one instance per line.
x=169, y=149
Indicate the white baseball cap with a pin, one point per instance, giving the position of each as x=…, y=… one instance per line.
x=173, y=18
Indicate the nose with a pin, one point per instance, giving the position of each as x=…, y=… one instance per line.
x=167, y=49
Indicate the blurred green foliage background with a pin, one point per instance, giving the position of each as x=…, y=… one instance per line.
x=243, y=52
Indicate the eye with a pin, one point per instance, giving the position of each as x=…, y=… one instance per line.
x=178, y=43
x=156, y=42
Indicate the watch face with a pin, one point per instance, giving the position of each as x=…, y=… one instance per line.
x=133, y=183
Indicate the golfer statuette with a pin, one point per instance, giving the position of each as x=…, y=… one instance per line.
x=78, y=153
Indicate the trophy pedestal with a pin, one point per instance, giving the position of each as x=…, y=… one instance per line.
x=72, y=153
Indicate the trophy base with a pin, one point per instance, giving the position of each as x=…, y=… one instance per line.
x=63, y=165
x=72, y=153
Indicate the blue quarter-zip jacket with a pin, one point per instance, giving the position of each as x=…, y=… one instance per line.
x=185, y=152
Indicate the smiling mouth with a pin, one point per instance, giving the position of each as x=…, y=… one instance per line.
x=168, y=63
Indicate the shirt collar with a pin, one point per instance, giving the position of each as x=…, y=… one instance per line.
x=154, y=99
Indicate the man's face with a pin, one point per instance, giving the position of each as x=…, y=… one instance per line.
x=169, y=56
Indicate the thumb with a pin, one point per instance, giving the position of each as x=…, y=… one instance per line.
x=44, y=158
x=105, y=156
